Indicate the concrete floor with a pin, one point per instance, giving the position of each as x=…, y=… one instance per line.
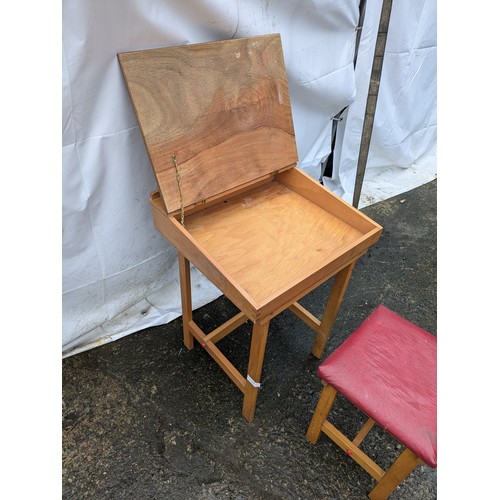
x=144, y=418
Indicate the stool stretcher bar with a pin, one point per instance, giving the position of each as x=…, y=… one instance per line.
x=355, y=453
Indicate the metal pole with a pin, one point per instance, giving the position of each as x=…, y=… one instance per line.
x=327, y=165
x=371, y=101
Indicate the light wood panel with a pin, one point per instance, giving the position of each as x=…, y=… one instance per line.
x=270, y=238
x=171, y=228
x=303, y=184
x=222, y=108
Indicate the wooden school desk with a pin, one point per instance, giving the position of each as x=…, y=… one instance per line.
x=217, y=124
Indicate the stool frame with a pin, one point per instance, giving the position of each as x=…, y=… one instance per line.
x=388, y=480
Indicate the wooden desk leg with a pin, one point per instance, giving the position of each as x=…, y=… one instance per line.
x=255, y=361
x=332, y=308
x=187, y=306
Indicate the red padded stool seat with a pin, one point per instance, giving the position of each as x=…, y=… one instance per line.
x=387, y=368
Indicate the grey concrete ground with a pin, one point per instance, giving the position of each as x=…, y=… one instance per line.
x=144, y=418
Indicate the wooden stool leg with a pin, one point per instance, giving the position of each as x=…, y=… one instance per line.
x=187, y=307
x=332, y=308
x=321, y=413
x=256, y=359
x=398, y=471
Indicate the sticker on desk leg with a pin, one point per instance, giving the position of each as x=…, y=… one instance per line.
x=252, y=381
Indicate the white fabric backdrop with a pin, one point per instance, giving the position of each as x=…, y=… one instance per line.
x=403, y=145
x=119, y=274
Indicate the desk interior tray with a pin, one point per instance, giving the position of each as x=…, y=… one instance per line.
x=274, y=240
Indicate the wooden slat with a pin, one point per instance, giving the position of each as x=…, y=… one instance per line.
x=325, y=403
x=398, y=471
x=305, y=316
x=307, y=187
x=225, y=329
x=332, y=308
x=187, y=307
x=363, y=431
x=221, y=360
x=359, y=456
x=222, y=108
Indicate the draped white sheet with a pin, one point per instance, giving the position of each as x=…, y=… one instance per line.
x=119, y=274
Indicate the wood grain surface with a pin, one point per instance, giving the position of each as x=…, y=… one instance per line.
x=270, y=237
x=222, y=108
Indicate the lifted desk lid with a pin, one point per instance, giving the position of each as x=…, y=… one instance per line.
x=214, y=116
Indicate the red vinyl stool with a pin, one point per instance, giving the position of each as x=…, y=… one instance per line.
x=387, y=368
